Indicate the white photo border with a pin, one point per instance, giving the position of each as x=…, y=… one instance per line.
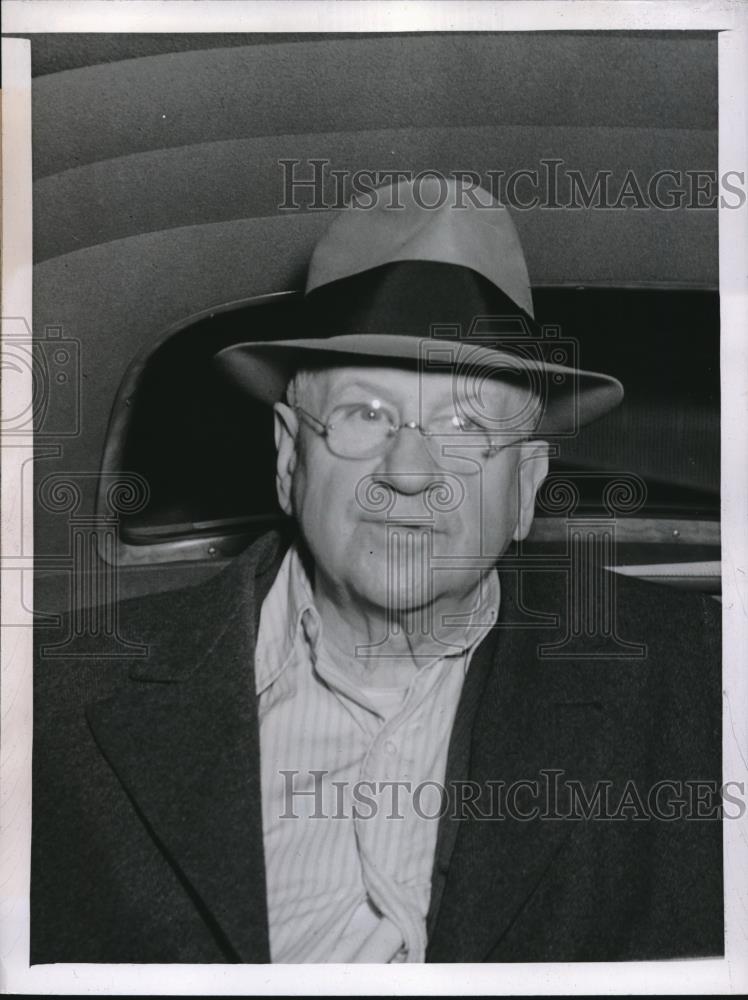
x=693, y=976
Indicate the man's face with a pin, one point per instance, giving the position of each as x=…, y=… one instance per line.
x=398, y=529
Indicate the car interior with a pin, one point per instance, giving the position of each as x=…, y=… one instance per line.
x=161, y=236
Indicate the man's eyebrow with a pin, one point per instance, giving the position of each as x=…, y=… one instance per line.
x=378, y=391
x=450, y=402
x=369, y=387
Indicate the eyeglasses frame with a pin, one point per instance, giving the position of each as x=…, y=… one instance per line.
x=323, y=428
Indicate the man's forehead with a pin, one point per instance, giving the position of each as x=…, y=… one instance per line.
x=394, y=382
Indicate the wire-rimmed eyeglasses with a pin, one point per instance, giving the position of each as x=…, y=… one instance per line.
x=364, y=430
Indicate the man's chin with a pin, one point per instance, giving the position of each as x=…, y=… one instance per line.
x=393, y=598
x=406, y=578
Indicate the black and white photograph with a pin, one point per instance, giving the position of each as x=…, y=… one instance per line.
x=374, y=557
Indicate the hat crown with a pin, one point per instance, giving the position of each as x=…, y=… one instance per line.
x=384, y=276
x=426, y=219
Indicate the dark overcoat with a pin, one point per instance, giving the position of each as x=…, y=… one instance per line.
x=147, y=828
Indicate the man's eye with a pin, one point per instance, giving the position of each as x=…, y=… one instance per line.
x=462, y=423
x=368, y=414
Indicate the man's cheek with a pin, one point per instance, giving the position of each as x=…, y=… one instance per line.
x=463, y=528
x=491, y=533
x=306, y=489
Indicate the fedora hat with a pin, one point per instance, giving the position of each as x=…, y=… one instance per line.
x=423, y=277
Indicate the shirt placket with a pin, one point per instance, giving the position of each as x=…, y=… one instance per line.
x=384, y=761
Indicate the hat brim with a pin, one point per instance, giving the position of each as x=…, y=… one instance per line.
x=571, y=396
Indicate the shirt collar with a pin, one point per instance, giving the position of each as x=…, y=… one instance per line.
x=289, y=611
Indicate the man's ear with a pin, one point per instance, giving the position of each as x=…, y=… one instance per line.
x=286, y=431
x=532, y=470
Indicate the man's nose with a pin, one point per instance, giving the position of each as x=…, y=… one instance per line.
x=408, y=465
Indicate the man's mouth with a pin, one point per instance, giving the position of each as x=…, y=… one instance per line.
x=405, y=523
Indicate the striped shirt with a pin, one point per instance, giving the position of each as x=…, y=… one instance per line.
x=351, y=783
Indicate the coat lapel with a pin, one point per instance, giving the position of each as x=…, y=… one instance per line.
x=458, y=763
x=184, y=742
x=525, y=717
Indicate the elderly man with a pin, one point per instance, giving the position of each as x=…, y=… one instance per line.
x=337, y=748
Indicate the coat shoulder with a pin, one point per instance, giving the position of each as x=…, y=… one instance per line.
x=71, y=669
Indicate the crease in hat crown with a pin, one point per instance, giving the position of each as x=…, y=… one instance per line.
x=457, y=231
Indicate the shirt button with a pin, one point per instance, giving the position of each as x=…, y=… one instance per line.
x=390, y=747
